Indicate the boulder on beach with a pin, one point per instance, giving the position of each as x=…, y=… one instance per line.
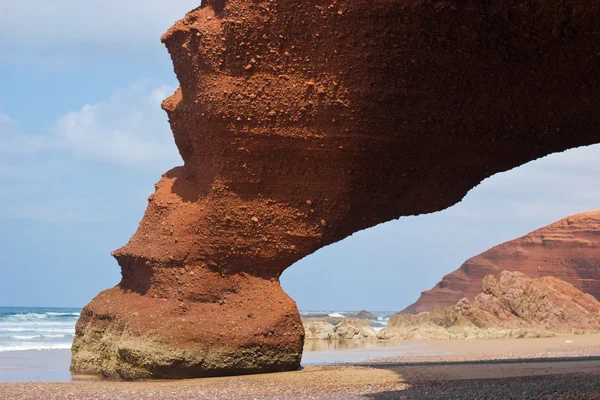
x=415, y=327
x=353, y=329
x=513, y=306
x=318, y=330
x=363, y=314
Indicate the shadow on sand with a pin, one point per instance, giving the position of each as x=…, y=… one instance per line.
x=536, y=378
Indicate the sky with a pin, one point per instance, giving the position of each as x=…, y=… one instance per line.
x=83, y=140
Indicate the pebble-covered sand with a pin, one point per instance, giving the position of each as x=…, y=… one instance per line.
x=560, y=368
x=323, y=383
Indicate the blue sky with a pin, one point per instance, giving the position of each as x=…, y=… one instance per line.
x=83, y=140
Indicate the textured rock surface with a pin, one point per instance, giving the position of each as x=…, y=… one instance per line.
x=318, y=330
x=568, y=250
x=301, y=122
x=517, y=301
x=415, y=327
x=363, y=314
x=348, y=329
x=512, y=307
x=353, y=329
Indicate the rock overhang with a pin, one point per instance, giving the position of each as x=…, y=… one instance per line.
x=300, y=123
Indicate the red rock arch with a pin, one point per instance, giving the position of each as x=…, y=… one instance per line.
x=302, y=122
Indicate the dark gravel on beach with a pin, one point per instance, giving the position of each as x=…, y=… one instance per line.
x=546, y=387
x=579, y=387
x=550, y=387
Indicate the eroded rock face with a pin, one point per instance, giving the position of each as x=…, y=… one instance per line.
x=300, y=123
x=568, y=250
x=353, y=329
x=363, y=314
x=517, y=301
x=415, y=327
x=512, y=307
x=318, y=330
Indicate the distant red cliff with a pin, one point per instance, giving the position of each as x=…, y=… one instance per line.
x=568, y=250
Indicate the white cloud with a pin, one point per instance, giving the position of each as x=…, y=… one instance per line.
x=97, y=24
x=549, y=188
x=27, y=172
x=48, y=176
x=62, y=35
x=130, y=129
x=14, y=141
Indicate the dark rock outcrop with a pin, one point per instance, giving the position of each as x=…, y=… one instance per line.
x=301, y=122
x=568, y=250
x=512, y=307
x=363, y=314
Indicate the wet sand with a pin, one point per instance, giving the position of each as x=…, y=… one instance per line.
x=553, y=368
x=46, y=365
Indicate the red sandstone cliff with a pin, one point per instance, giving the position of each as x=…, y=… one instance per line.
x=568, y=250
x=513, y=306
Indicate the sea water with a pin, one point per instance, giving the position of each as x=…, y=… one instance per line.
x=35, y=343
x=35, y=328
x=39, y=328
x=382, y=317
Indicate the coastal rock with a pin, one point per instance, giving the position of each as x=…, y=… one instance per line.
x=353, y=329
x=337, y=320
x=329, y=320
x=363, y=314
x=414, y=327
x=302, y=122
x=512, y=307
x=318, y=330
x=546, y=303
x=568, y=250
x=500, y=333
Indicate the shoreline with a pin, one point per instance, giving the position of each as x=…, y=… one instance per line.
x=344, y=382
x=415, y=369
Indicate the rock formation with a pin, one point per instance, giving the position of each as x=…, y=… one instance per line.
x=329, y=320
x=363, y=314
x=338, y=320
x=318, y=330
x=517, y=301
x=568, y=250
x=353, y=329
x=348, y=329
x=301, y=122
x=414, y=327
x=512, y=307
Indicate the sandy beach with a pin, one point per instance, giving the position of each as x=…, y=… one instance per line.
x=563, y=367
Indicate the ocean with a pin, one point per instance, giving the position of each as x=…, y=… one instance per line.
x=381, y=317
x=40, y=328
x=37, y=328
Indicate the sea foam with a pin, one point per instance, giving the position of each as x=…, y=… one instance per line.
x=24, y=329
